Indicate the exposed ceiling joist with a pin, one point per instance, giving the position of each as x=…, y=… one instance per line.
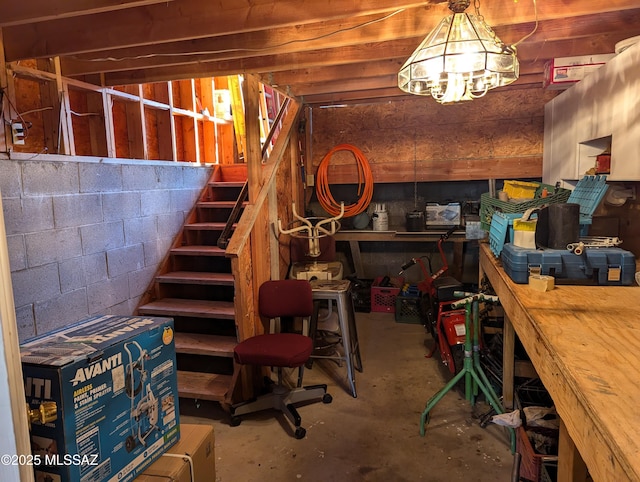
x=329, y=51
x=20, y=13
x=176, y=21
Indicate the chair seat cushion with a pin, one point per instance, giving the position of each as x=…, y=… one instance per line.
x=275, y=350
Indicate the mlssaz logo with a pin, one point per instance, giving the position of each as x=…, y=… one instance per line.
x=95, y=369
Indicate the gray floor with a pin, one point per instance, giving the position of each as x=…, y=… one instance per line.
x=374, y=437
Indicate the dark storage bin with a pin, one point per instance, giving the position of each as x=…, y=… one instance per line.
x=361, y=295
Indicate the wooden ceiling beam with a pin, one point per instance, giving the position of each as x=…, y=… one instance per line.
x=316, y=36
x=31, y=11
x=381, y=82
x=190, y=19
x=266, y=64
x=384, y=94
x=181, y=20
x=292, y=79
x=279, y=41
x=532, y=56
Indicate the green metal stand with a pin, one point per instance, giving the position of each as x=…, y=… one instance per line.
x=472, y=370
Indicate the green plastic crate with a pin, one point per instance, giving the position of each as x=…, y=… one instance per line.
x=408, y=309
x=489, y=205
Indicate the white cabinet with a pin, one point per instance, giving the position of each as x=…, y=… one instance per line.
x=602, y=109
x=559, y=156
x=625, y=145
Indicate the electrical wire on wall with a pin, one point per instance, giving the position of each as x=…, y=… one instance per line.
x=365, y=183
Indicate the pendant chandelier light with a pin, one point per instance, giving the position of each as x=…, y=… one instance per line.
x=461, y=59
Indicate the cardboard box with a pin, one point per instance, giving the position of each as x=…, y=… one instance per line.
x=442, y=214
x=196, y=443
x=562, y=73
x=114, y=380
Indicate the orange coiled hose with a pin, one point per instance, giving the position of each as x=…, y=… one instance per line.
x=365, y=183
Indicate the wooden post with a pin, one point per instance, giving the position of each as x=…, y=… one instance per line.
x=107, y=108
x=49, y=98
x=209, y=155
x=68, y=141
x=224, y=132
x=172, y=122
x=260, y=248
x=571, y=467
x=5, y=137
x=14, y=415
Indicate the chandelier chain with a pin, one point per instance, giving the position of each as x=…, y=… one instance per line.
x=476, y=5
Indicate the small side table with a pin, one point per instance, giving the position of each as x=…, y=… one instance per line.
x=339, y=291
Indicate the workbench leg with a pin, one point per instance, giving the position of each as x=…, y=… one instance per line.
x=458, y=260
x=571, y=467
x=354, y=246
x=508, y=364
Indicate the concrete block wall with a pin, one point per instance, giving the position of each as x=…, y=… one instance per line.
x=86, y=235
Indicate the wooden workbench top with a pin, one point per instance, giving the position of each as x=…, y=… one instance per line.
x=584, y=342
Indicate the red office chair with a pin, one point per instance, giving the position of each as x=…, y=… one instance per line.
x=284, y=298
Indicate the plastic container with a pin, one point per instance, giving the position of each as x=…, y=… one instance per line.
x=520, y=189
x=408, y=309
x=380, y=218
x=473, y=228
x=383, y=298
x=524, y=230
x=415, y=221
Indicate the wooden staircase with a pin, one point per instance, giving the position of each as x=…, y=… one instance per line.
x=196, y=288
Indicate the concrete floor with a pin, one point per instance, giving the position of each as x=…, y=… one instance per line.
x=374, y=437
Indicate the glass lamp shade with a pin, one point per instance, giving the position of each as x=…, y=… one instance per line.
x=461, y=59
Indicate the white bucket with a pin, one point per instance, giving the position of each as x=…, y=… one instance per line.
x=380, y=218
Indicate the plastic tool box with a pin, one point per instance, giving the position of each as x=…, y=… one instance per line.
x=602, y=266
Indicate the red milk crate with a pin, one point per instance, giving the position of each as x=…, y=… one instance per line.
x=383, y=298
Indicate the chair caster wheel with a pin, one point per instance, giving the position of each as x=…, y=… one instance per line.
x=326, y=398
x=235, y=421
x=300, y=433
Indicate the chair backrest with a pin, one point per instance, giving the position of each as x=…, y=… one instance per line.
x=285, y=298
x=300, y=247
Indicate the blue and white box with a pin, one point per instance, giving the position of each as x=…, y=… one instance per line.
x=442, y=214
x=114, y=381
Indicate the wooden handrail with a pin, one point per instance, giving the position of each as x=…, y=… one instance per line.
x=223, y=240
x=274, y=126
x=247, y=221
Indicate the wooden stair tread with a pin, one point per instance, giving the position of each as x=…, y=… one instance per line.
x=219, y=204
x=199, y=344
x=186, y=307
x=226, y=184
x=203, y=386
x=196, y=277
x=198, y=250
x=210, y=226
